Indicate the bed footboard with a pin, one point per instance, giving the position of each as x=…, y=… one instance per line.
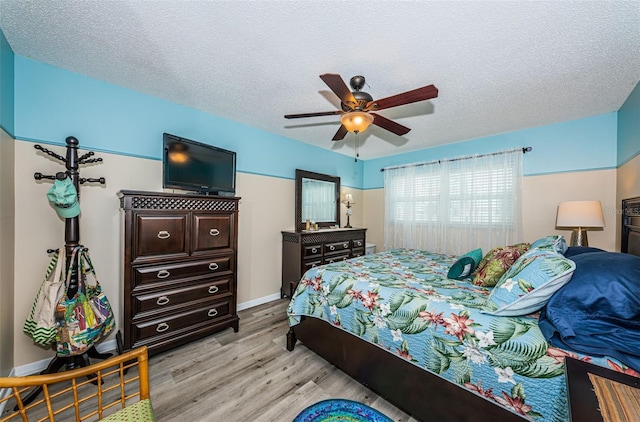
x=419, y=393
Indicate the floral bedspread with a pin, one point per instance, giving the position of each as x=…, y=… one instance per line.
x=402, y=301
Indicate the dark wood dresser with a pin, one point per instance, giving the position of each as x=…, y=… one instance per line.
x=179, y=267
x=307, y=249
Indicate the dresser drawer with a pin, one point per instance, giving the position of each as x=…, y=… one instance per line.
x=163, y=300
x=330, y=259
x=312, y=250
x=157, y=235
x=308, y=264
x=357, y=252
x=211, y=232
x=337, y=246
x=218, y=266
x=169, y=324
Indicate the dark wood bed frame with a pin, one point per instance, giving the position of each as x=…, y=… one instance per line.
x=418, y=392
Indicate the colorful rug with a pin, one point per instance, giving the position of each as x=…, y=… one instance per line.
x=335, y=410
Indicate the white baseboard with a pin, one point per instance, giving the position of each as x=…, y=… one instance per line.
x=36, y=367
x=110, y=345
x=259, y=301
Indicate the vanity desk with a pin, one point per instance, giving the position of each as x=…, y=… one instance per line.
x=302, y=250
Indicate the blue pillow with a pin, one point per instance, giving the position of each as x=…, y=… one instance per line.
x=555, y=243
x=577, y=250
x=529, y=283
x=465, y=265
x=598, y=311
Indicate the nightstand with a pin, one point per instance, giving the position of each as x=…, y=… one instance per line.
x=583, y=401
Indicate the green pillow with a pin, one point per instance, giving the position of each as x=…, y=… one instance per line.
x=496, y=263
x=465, y=265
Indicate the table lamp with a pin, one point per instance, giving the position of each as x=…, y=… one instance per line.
x=580, y=215
x=348, y=201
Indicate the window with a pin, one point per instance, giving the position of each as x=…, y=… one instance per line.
x=433, y=205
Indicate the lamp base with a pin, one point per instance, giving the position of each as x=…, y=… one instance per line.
x=579, y=237
x=348, y=225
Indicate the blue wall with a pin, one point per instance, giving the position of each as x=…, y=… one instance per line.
x=629, y=127
x=52, y=104
x=576, y=145
x=6, y=85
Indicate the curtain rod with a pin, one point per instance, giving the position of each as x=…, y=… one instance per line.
x=524, y=151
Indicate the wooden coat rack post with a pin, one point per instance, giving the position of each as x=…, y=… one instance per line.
x=71, y=240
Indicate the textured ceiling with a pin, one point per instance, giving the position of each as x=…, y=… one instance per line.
x=500, y=66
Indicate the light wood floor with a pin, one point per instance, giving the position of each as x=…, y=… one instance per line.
x=250, y=376
x=247, y=376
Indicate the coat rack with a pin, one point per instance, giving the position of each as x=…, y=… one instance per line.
x=71, y=240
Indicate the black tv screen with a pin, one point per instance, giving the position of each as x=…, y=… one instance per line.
x=194, y=166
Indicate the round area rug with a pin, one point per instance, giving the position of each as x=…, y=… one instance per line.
x=342, y=410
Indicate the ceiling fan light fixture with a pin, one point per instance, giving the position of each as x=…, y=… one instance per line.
x=356, y=121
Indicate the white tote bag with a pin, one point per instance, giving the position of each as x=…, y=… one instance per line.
x=40, y=325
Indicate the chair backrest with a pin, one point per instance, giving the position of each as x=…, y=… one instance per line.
x=98, y=389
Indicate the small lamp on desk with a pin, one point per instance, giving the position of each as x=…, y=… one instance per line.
x=348, y=201
x=580, y=215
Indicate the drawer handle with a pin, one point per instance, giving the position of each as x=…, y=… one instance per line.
x=162, y=327
x=162, y=300
x=213, y=289
x=213, y=266
x=163, y=274
x=313, y=265
x=214, y=232
x=332, y=247
x=314, y=250
x=359, y=243
x=345, y=245
x=212, y=312
x=331, y=261
x=163, y=234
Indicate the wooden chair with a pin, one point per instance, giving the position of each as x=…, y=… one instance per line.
x=112, y=390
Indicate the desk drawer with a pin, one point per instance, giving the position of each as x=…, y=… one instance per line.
x=218, y=266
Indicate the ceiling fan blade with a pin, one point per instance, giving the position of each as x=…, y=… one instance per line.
x=322, y=113
x=420, y=94
x=340, y=134
x=337, y=85
x=389, y=125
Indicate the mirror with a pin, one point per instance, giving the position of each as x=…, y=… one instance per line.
x=317, y=199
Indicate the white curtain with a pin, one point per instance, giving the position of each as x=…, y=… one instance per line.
x=454, y=206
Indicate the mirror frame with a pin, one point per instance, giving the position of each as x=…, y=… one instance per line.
x=303, y=174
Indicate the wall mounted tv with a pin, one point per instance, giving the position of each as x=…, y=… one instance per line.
x=194, y=166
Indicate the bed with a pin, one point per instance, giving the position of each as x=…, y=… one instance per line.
x=445, y=349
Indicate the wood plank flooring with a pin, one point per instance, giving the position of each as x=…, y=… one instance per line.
x=247, y=376
x=250, y=376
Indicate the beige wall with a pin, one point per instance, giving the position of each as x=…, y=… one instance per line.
x=266, y=208
x=541, y=196
x=628, y=186
x=6, y=252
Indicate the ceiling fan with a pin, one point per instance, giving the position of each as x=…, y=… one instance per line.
x=358, y=106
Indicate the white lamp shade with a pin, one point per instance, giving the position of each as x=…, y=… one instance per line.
x=580, y=214
x=348, y=198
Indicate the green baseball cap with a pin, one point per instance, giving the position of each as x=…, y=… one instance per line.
x=64, y=198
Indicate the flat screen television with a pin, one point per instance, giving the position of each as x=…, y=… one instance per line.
x=198, y=167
